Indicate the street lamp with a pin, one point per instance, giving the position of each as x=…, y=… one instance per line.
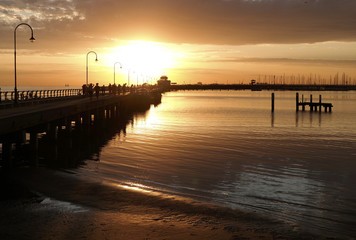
x=114, y=69
x=96, y=59
x=128, y=76
x=32, y=39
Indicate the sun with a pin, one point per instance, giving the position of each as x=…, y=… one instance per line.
x=143, y=57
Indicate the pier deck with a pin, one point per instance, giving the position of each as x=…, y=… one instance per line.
x=23, y=124
x=15, y=119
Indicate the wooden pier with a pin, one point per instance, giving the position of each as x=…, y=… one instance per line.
x=313, y=106
x=24, y=124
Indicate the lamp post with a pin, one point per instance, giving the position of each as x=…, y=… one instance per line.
x=142, y=78
x=96, y=59
x=32, y=39
x=128, y=76
x=114, y=69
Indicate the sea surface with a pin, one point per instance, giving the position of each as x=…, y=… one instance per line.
x=228, y=148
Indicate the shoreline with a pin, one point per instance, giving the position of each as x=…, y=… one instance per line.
x=70, y=207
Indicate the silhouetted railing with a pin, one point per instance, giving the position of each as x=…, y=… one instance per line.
x=31, y=95
x=42, y=96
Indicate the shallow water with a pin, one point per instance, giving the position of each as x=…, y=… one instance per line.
x=226, y=147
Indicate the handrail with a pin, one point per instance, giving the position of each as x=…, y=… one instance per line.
x=44, y=95
x=28, y=95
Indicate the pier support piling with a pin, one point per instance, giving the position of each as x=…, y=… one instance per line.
x=7, y=153
x=52, y=132
x=34, y=148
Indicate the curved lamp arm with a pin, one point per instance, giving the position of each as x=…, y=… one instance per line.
x=96, y=59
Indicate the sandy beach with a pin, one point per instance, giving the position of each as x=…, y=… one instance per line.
x=57, y=205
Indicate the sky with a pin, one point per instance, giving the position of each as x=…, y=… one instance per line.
x=190, y=41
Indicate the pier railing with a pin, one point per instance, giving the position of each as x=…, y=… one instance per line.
x=30, y=96
x=6, y=96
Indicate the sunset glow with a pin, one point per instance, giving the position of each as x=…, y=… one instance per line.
x=143, y=57
x=178, y=119
x=211, y=42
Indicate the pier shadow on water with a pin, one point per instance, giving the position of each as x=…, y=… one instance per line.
x=73, y=144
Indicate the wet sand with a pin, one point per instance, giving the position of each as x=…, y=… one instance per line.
x=67, y=206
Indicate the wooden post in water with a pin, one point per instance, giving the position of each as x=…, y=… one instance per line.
x=319, y=103
x=311, y=100
x=297, y=102
x=272, y=102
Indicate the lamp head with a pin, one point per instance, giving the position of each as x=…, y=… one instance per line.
x=32, y=39
x=96, y=59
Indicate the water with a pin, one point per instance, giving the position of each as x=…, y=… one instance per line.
x=226, y=147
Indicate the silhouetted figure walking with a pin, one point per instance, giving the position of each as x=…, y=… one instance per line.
x=97, y=90
x=114, y=89
x=91, y=90
x=109, y=88
x=119, y=89
x=84, y=89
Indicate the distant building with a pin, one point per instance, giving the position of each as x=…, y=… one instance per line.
x=163, y=83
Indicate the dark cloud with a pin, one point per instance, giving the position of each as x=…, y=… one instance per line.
x=225, y=22
x=87, y=23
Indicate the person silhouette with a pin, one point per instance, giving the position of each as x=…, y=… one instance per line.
x=97, y=90
x=84, y=89
x=90, y=90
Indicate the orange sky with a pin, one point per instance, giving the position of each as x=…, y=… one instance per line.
x=223, y=41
